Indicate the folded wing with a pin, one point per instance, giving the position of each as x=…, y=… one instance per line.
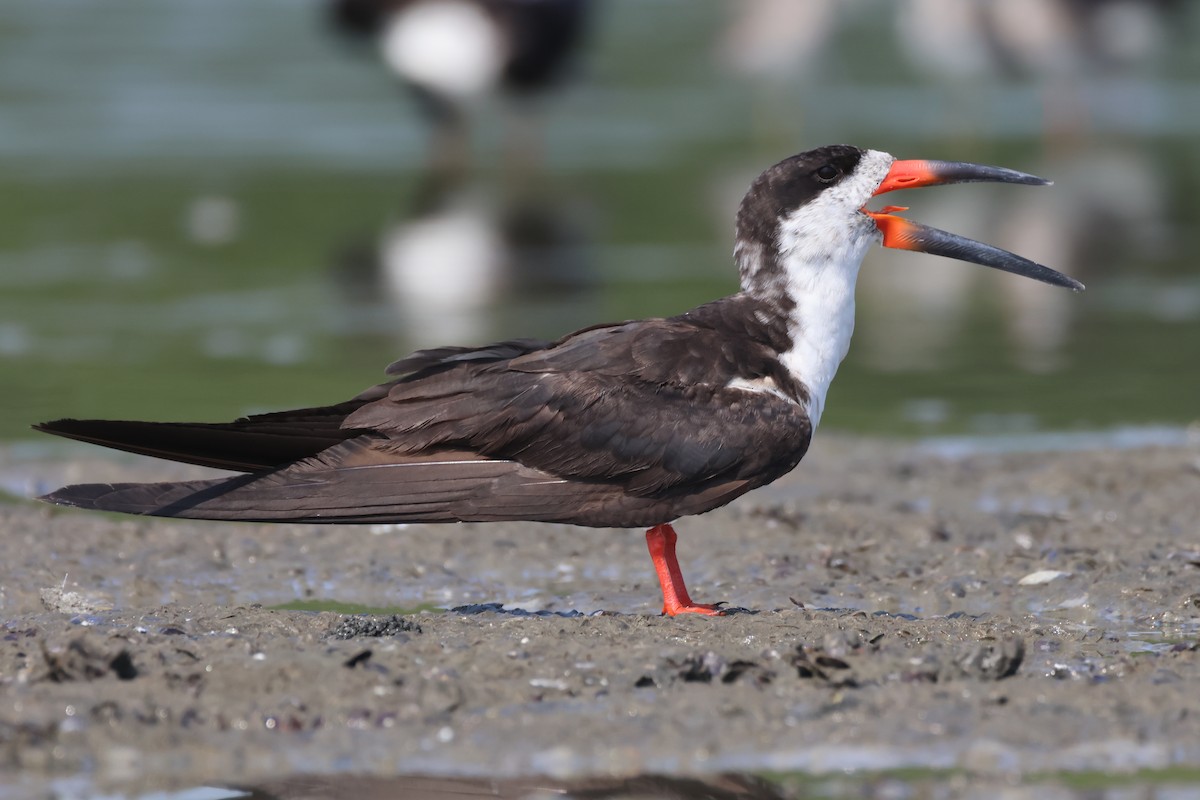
x=597, y=429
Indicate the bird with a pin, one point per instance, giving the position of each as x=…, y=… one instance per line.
x=452, y=54
x=627, y=424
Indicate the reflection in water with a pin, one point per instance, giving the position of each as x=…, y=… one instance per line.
x=464, y=254
x=946, y=782
x=454, y=54
x=718, y=787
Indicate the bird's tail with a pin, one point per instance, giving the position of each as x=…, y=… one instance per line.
x=246, y=445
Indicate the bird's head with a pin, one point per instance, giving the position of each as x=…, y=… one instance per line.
x=807, y=215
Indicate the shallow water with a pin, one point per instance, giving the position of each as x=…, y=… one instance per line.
x=198, y=200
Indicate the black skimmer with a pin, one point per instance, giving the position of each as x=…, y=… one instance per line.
x=632, y=424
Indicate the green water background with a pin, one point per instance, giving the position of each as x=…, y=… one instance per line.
x=192, y=194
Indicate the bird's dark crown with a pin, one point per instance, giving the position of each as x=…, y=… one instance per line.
x=788, y=185
x=776, y=193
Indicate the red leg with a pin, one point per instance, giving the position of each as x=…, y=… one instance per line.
x=661, y=541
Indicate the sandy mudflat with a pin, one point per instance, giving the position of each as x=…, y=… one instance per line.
x=987, y=615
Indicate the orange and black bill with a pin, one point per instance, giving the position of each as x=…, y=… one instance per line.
x=904, y=234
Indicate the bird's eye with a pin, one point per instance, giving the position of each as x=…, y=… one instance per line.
x=826, y=173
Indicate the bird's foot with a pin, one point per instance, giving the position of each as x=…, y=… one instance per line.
x=661, y=541
x=708, y=609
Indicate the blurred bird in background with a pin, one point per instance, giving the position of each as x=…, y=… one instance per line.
x=455, y=55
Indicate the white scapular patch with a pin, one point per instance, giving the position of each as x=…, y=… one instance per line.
x=448, y=47
x=759, y=386
x=821, y=247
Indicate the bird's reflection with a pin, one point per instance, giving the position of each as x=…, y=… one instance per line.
x=468, y=257
x=716, y=787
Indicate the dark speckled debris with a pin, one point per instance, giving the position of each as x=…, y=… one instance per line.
x=81, y=662
x=122, y=666
x=357, y=659
x=355, y=627
x=701, y=668
x=708, y=667
x=989, y=660
x=823, y=667
x=17, y=635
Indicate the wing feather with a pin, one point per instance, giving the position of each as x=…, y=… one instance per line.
x=357, y=482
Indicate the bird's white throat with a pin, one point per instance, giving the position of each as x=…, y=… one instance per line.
x=821, y=247
x=820, y=328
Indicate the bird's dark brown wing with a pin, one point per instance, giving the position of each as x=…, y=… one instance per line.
x=357, y=482
x=644, y=403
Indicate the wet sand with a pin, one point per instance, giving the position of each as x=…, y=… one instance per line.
x=997, y=616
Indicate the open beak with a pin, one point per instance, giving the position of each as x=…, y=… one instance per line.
x=904, y=234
